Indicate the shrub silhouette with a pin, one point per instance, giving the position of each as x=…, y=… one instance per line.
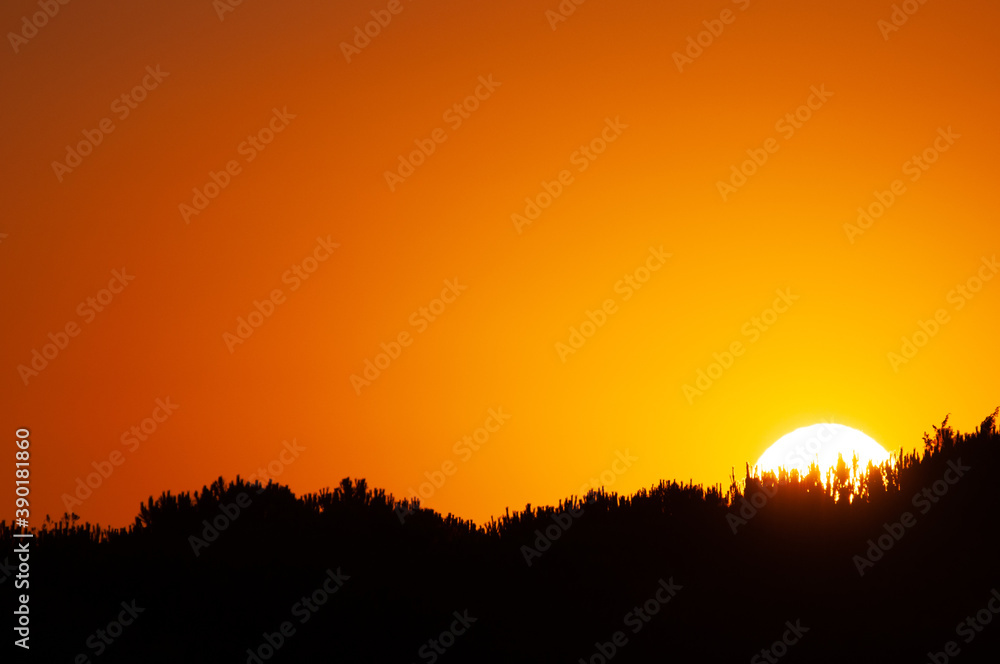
x=794, y=557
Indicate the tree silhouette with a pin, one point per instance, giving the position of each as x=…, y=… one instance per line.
x=794, y=556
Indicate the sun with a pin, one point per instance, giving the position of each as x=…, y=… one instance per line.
x=821, y=444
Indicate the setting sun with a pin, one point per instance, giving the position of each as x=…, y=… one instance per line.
x=822, y=444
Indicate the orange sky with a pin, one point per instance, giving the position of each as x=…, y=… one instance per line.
x=621, y=143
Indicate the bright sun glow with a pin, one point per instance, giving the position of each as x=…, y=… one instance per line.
x=821, y=443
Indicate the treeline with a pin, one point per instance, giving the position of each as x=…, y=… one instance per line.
x=844, y=483
x=911, y=546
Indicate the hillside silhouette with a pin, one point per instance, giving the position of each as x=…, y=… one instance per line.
x=877, y=564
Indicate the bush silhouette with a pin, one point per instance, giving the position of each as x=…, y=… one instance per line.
x=793, y=555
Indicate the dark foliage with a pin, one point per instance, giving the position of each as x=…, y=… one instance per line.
x=770, y=549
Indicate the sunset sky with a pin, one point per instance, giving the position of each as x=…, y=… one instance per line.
x=362, y=192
